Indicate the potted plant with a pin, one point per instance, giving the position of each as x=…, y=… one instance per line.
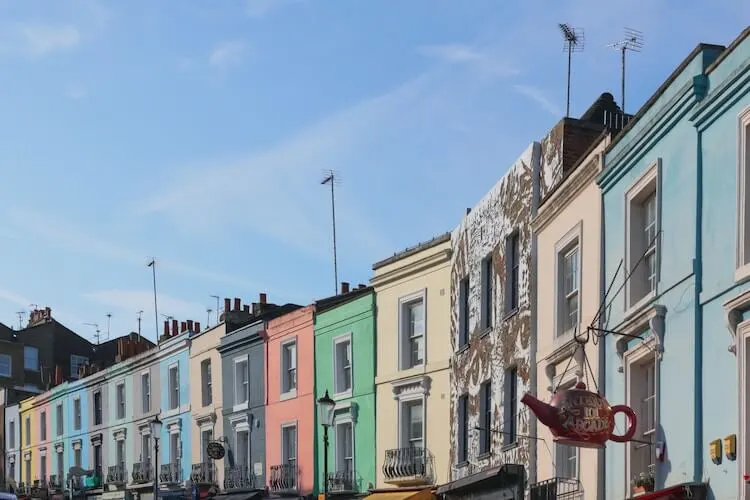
x=643, y=483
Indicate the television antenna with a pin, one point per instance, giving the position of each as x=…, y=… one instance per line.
x=633, y=40
x=96, y=335
x=573, y=42
x=109, y=322
x=21, y=315
x=332, y=177
x=217, y=307
x=208, y=316
x=140, y=316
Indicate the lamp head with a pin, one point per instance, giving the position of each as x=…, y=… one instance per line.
x=326, y=409
x=156, y=426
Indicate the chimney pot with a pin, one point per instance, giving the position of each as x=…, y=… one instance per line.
x=227, y=305
x=263, y=298
x=190, y=325
x=197, y=327
x=256, y=309
x=183, y=326
x=174, y=327
x=237, y=304
x=246, y=308
x=344, y=287
x=166, y=327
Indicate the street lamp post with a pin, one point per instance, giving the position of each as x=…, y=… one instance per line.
x=156, y=432
x=326, y=408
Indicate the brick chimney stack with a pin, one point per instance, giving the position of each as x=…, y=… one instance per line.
x=344, y=287
x=263, y=298
x=237, y=304
x=175, y=330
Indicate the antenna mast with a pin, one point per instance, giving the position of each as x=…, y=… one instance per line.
x=21, y=315
x=208, y=317
x=140, y=315
x=217, y=307
x=96, y=326
x=573, y=42
x=633, y=40
x=152, y=265
x=332, y=178
x=109, y=321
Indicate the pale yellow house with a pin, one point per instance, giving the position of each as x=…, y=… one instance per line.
x=413, y=376
x=568, y=234
x=206, y=403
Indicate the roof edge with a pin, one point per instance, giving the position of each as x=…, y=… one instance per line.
x=419, y=247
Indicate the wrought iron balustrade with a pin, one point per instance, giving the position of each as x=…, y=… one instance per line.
x=54, y=482
x=342, y=481
x=238, y=476
x=283, y=477
x=116, y=474
x=142, y=472
x=170, y=473
x=203, y=473
x=556, y=488
x=412, y=465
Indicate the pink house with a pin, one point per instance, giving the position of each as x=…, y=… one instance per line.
x=290, y=414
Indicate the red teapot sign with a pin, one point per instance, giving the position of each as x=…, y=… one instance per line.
x=578, y=417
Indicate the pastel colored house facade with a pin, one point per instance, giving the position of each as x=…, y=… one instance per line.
x=568, y=228
x=12, y=433
x=290, y=414
x=659, y=174
x=345, y=368
x=206, y=403
x=412, y=381
x=29, y=442
x=722, y=125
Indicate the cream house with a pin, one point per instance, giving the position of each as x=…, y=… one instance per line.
x=568, y=234
x=206, y=403
x=413, y=378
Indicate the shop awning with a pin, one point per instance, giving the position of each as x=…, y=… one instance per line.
x=694, y=491
x=401, y=494
x=425, y=494
x=240, y=495
x=503, y=475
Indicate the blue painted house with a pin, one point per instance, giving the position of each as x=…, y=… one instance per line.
x=670, y=214
x=722, y=123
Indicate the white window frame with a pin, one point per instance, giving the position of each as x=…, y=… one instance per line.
x=9, y=373
x=342, y=339
x=205, y=428
x=284, y=459
x=12, y=434
x=36, y=350
x=743, y=444
x=146, y=395
x=649, y=180
x=121, y=404
x=173, y=392
x=76, y=360
x=572, y=239
x=742, y=264
x=343, y=419
x=145, y=434
x=93, y=407
x=290, y=393
x=27, y=431
x=403, y=440
x=637, y=355
x=175, y=430
x=243, y=405
x=404, y=352
x=239, y=426
x=43, y=426
x=206, y=382
x=77, y=416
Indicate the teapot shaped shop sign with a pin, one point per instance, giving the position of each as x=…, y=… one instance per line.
x=578, y=417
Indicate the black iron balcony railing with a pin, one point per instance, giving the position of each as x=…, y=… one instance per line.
x=556, y=488
x=54, y=482
x=116, y=474
x=238, y=477
x=342, y=481
x=404, y=466
x=283, y=477
x=170, y=473
x=203, y=473
x=142, y=472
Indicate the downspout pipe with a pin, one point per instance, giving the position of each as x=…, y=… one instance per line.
x=601, y=464
x=535, y=198
x=698, y=307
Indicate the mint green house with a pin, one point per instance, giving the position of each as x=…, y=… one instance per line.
x=345, y=367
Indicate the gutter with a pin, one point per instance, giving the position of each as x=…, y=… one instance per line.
x=698, y=272
x=601, y=465
x=536, y=172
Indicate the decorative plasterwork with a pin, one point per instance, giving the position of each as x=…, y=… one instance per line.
x=12, y=458
x=733, y=310
x=59, y=447
x=43, y=451
x=96, y=439
x=411, y=386
x=77, y=444
x=27, y=456
x=651, y=318
x=120, y=434
x=569, y=349
x=174, y=427
x=205, y=419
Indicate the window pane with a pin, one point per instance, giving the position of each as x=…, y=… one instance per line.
x=416, y=319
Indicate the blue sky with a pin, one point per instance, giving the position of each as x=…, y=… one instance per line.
x=197, y=132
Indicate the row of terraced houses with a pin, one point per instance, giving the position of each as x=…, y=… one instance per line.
x=627, y=232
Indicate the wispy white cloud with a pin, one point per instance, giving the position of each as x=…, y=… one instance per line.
x=127, y=301
x=61, y=234
x=538, y=96
x=227, y=54
x=471, y=56
x=258, y=9
x=38, y=39
x=288, y=173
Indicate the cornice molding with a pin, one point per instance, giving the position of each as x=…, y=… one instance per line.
x=401, y=273
x=718, y=98
x=733, y=316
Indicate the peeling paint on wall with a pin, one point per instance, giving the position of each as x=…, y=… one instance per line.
x=507, y=208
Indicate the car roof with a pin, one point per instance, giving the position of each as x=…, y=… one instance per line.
x=7, y=496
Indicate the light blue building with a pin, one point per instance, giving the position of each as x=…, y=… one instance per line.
x=670, y=208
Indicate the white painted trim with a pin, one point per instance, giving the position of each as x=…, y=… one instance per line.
x=288, y=425
x=340, y=339
x=572, y=239
x=292, y=393
x=742, y=268
x=403, y=302
x=403, y=401
x=170, y=367
x=245, y=404
x=637, y=355
x=651, y=175
x=343, y=418
x=743, y=450
x=125, y=399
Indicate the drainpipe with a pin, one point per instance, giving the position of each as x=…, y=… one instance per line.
x=698, y=270
x=601, y=466
x=535, y=169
